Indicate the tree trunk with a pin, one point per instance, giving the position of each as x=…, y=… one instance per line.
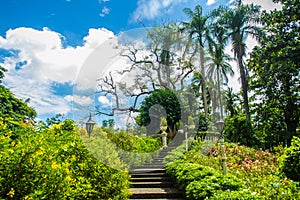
x=219, y=91
x=244, y=81
x=290, y=114
x=204, y=92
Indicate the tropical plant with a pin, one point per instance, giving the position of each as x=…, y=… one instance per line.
x=197, y=27
x=241, y=21
x=219, y=66
x=290, y=161
x=275, y=66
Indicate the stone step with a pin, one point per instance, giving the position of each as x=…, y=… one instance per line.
x=147, y=170
x=156, y=184
x=146, y=175
x=152, y=193
x=153, y=165
x=150, y=179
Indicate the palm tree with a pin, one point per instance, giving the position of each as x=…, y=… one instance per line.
x=198, y=27
x=241, y=21
x=219, y=66
x=230, y=100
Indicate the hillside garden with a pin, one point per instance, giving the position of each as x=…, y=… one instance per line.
x=57, y=159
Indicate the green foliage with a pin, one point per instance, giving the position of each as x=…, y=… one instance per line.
x=12, y=108
x=211, y=185
x=54, y=120
x=54, y=164
x=200, y=182
x=120, y=149
x=237, y=129
x=290, y=161
x=174, y=154
x=2, y=70
x=244, y=194
x=202, y=124
x=105, y=123
x=253, y=174
x=132, y=143
x=275, y=68
x=102, y=148
x=160, y=103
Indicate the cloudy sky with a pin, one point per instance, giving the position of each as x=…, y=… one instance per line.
x=45, y=44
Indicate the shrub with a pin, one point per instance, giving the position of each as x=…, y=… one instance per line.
x=120, y=149
x=244, y=194
x=200, y=181
x=236, y=125
x=255, y=170
x=290, y=161
x=54, y=164
x=211, y=184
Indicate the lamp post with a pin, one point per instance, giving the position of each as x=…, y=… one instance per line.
x=220, y=126
x=89, y=125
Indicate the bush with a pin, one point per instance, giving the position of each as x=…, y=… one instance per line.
x=200, y=182
x=197, y=172
x=244, y=194
x=54, y=164
x=120, y=149
x=290, y=161
x=236, y=125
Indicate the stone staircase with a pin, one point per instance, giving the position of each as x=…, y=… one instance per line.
x=150, y=181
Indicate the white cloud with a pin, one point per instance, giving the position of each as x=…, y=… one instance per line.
x=81, y=100
x=210, y=2
x=103, y=1
x=149, y=9
x=265, y=4
x=47, y=62
x=104, y=11
x=104, y=100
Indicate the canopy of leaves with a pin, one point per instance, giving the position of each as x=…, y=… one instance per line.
x=160, y=103
x=275, y=65
x=13, y=108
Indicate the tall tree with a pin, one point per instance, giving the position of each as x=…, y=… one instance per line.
x=231, y=101
x=275, y=65
x=197, y=27
x=241, y=21
x=162, y=62
x=219, y=66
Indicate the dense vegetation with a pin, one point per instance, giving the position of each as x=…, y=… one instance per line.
x=253, y=174
x=53, y=163
x=57, y=160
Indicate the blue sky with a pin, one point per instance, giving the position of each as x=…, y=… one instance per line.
x=73, y=18
x=45, y=43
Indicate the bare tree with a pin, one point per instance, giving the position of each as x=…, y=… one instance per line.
x=164, y=61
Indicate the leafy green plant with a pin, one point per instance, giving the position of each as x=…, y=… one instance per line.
x=255, y=173
x=120, y=149
x=238, y=130
x=200, y=182
x=54, y=164
x=290, y=160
